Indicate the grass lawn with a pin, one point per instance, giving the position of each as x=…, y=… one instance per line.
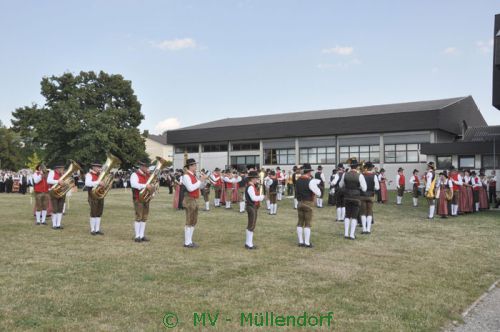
x=411, y=274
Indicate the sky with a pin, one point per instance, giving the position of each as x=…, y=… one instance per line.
x=196, y=61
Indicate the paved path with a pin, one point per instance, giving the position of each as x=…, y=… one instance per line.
x=485, y=316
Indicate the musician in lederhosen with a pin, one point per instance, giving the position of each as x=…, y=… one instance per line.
x=273, y=184
x=306, y=188
x=192, y=184
x=57, y=203
x=252, y=200
x=241, y=190
x=400, y=185
x=205, y=191
x=367, y=197
x=339, y=192
x=41, y=189
x=96, y=205
x=321, y=177
x=216, y=180
x=430, y=188
x=138, y=181
x=415, y=182
x=353, y=184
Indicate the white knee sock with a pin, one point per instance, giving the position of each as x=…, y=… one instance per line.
x=64, y=208
x=354, y=222
x=228, y=204
x=299, y=234
x=307, y=236
x=363, y=223
x=321, y=202
x=186, y=235
x=369, y=223
x=38, y=215
x=275, y=208
x=44, y=215
x=242, y=206
x=92, y=224
x=339, y=214
x=191, y=231
x=347, y=222
x=207, y=206
x=59, y=219
x=343, y=214
x=268, y=204
x=295, y=203
x=54, y=219
x=432, y=208
x=477, y=207
x=142, y=229
x=137, y=228
x=97, y=224
x=249, y=238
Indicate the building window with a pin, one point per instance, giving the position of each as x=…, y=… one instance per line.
x=443, y=162
x=187, y=148
x=241, y=162
x=465, y=162
x=360, y=152
x=403, y=153
x=487, y=161
x=245, y=146
x=322, y=155
x=279, y=156
x=215, y=148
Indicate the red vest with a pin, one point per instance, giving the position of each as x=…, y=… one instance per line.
x=42, y=186
x=218, y=183
x=195, y=193
x=402, y=180
x=417, y=181
x=229, y=185
x=454, y=177
x=143, y=178
x=57, y=176
x=476, y=181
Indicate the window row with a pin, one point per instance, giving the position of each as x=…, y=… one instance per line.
x=464, y=162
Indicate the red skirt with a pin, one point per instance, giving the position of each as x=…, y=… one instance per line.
x=235, y=197
x=462, y=202
x=483, y=199
x=223, y=195
x=383, y=191
x=470, y=199
x=176, y=196
x=442, y=205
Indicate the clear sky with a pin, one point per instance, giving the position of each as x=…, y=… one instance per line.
x=197, y=61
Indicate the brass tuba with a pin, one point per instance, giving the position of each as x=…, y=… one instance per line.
x=145, y=195
x=106, y=177
x=58, y=190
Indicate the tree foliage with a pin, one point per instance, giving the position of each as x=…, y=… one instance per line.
x=84, y=116
x=10, y=149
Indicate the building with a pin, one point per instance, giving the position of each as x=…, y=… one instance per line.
x=388, y=135
x=156, y=145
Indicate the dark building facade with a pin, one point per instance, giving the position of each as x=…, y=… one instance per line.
x=496, y=63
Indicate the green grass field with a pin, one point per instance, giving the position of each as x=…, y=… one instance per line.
x=411, y=274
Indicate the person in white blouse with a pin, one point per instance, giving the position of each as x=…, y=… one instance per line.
x=430, y=188
x=252, y=199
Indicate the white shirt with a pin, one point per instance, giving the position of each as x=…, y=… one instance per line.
x=428, y=180
x=37, y=177
x=314, y=186
x=376, y=183
x=459, y=182
x=397, y=180
x=134, y=182
x=89, y=182
x=335, y=179
x=412, y=179
x=186, y=181
x=253, y=196
x=362, y=182
x=50, y=178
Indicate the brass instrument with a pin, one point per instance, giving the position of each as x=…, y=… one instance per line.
x=59, y=190
x=262, y=176
x=145, y=195
x=106, y=177
x=448, y=193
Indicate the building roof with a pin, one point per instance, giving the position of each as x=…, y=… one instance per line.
x=162, y=139
x=444, y=114
x=482, y=134
x=460, y=148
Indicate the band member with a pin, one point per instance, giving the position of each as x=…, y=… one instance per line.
x=265, y=187
x=467, y=193
x=216, y=179
x=295, y=177
x=367, y=198
x=205, y=191
x=383, y=186
x=272, y=183
x=252, y=199
x=306, y=188
x=192, y=184
x=41, y=194
x=400, y=185
x=444, y=184
x=280, y=176
x=456, y=179
x=54, y=178
x=483, y=192
x=236, y=187
x=96, y=205
x=179, y=190
x=415, y=182
x=289, y=183
x=331, y=192
x=492, y=187
x=430, y=188
x=242, y=184
x=228, y=183
x=321, y=177
x=138, y=181
x=353, y=184
x=339, y=192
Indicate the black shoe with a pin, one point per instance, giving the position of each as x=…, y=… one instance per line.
x=363, y=232
x=309, y=245
x=250, y=248
x=346, y=237
x=54, y=228
x=60, y=227
x=352, y=238
x=37, y=223
x=92, y=233
x=191, y=245
x=99, y=233
x=301, y=245
x=137, y=239
x=44, y=224
x=368, y=233
x=144, y=239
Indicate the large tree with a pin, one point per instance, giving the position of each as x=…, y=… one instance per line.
x=84, y=116
x=10, y=149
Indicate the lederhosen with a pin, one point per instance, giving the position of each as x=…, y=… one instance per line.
x=141, y=208
x=321, y=184
x=416, y=183
x=96, y=205
x=456, y=189
x=206, y=191
x=251, y=207
x=41, y=194
x=218, y=186
x=57, y=203
x=352, y=194
x=273, y=191
x=339, y=192
x=306, y=201
x=367, y=196
x=190, y=202
x=401, y=189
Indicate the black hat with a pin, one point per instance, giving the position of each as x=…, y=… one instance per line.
x=95, y=163
x=354, y=163
x=272, y=173
x=320, y=168
x=401, y=169
x=59, y=164
x=382, y=170
x=306, y=168
x=369, y=165
x=294, y=168
x=443, y=174
x=144, y=162
x=252, y=174
x=340, y=165
x=473, y=173
x=217, y=169
x=37, y=167
x=431, y=165
x=278, y=168
x=415, y=171
x=190, y=162
x=452, y=168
